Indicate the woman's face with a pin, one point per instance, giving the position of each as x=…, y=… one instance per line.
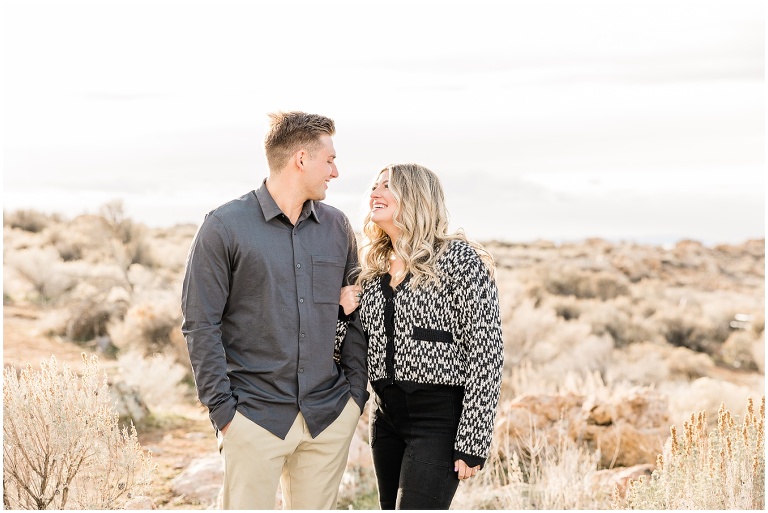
x=383, y=205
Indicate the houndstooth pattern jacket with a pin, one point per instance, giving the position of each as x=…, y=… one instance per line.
x=445, y=334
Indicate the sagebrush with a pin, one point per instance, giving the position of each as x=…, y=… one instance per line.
x=63, y=447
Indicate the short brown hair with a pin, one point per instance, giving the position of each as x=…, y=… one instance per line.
x=290, y=131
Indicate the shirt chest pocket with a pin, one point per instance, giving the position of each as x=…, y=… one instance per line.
x=327, y=278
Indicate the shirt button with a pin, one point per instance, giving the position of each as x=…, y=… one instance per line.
x=298, y=266
x=301, y=300
x=303, y=335
x=301, y=370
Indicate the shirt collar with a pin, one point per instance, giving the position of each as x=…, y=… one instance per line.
x=271, y=210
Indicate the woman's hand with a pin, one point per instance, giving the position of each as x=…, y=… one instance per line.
x=465, y=472
x=350, y=298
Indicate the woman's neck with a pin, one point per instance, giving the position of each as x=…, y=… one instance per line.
x=396, y=269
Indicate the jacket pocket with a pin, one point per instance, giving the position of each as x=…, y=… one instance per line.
x=327, y=278
x=431, y=335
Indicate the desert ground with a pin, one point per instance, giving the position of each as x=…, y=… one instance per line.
x=607, y=345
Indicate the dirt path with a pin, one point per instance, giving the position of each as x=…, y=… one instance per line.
x=23, y=343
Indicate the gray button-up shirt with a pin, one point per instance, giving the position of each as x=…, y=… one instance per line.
x=260, y=301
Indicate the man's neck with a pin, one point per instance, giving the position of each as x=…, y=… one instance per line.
x=286, y=196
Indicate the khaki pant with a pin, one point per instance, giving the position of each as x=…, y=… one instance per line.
x=309, y=469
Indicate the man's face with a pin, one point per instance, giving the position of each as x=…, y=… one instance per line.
x=319, y=169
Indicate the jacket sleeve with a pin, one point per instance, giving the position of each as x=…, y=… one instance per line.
x=350, y=336
x=478, y=300
x=204, y=295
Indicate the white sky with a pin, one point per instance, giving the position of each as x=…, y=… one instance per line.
x=556, y=119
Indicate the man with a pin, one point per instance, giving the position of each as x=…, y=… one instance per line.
x=260, y=301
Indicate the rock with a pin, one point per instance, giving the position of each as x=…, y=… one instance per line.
x=201, y=480
x=128, y=401
x=628, y=428
x=140, y=502
x=618, y=479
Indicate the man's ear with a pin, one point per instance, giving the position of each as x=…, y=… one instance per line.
x=299, y=157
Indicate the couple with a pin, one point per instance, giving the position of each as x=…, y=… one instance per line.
x=282, y=358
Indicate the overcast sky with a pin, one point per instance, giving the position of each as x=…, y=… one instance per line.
x=561, y=119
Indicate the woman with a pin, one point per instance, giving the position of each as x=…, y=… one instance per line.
x=429, y=307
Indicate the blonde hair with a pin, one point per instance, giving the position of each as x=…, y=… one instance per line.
x=422, y=218
x=291, y=131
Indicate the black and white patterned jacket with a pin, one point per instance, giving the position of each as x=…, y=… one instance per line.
x=446, y=334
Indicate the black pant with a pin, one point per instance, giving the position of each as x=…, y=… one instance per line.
x=412, y=438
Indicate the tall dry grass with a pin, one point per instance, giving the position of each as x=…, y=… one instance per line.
x=719, y=469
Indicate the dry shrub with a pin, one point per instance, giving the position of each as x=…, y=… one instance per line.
x=758, y=354
x=641, y=363
x=618, y=320
x=158, y=379
x=62, y=445
x=738, y=350
x=568, y=307
x=685, y=363
x=523, y=327
x=28, y=220
x=42, y=268
x=89, y=319
x=585, y=284
x=550, y=347
x=758, y=323
x=150, y=328
x=137, y=250
x=706, y=394
x=571, y=347
x=69, y=250
x=717, y=470
x=500, y=485
x=691, y=331
x=557, y=476
x=130, y=245
x=71, y=246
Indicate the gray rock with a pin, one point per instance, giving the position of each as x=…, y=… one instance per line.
x=201, y=480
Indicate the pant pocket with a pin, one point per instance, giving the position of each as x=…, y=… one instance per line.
x=222, y=437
